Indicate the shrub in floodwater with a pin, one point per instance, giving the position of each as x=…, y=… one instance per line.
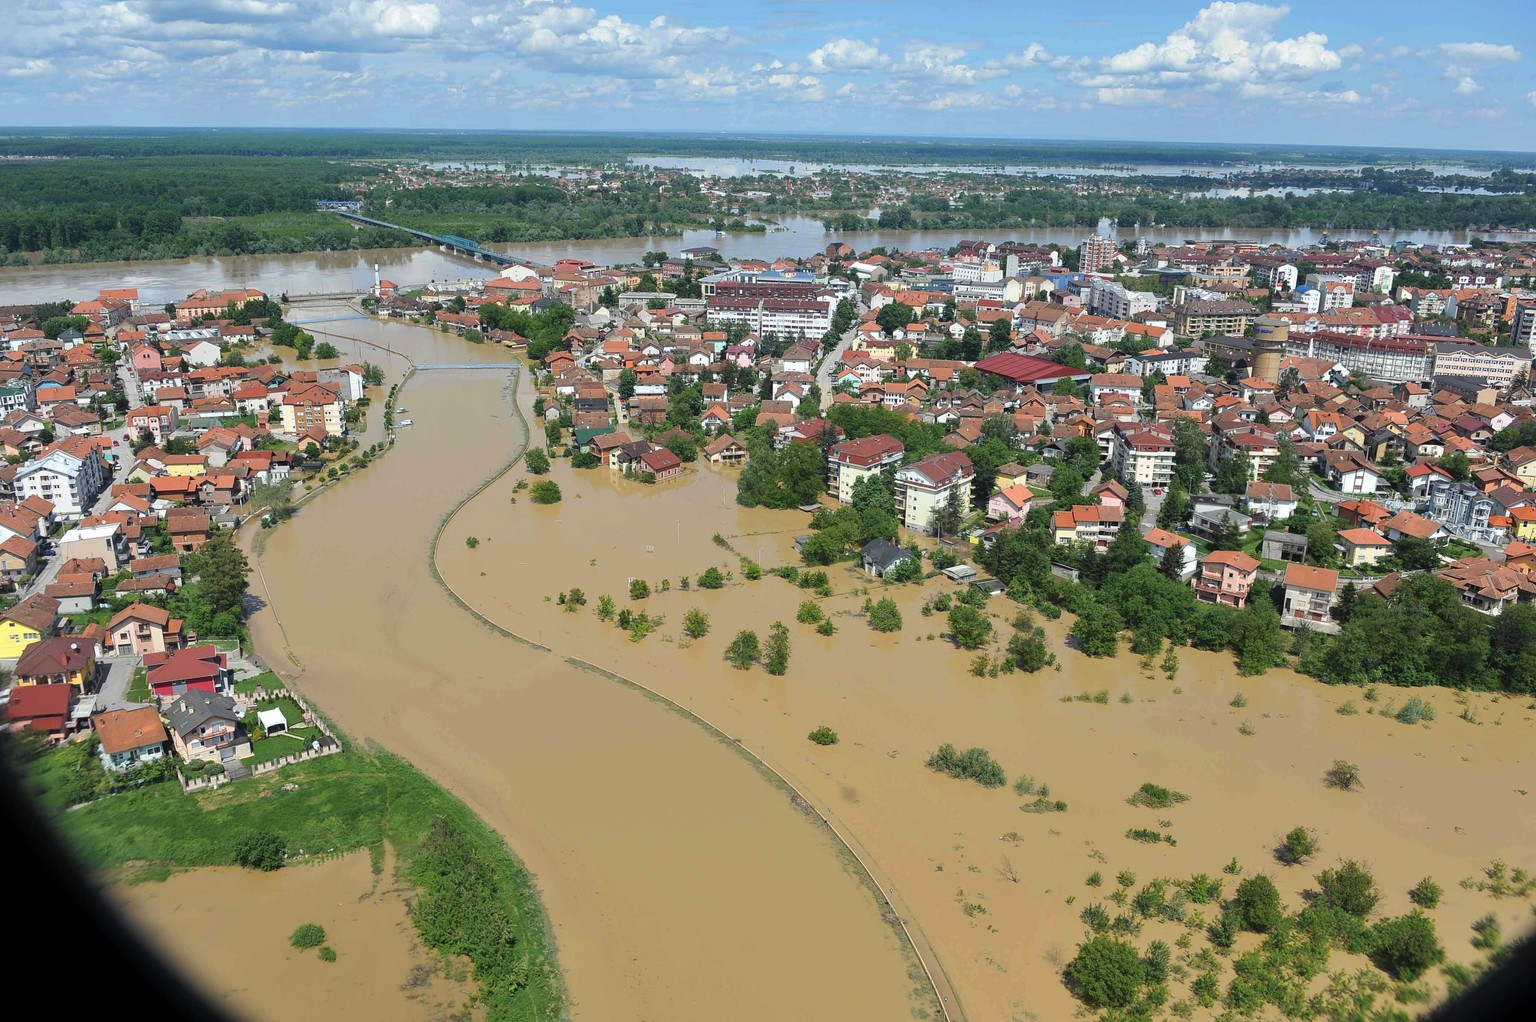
x=711, y=578
x=884, y=616
x=263, y=850
x=810, y=613
x=743, y=649
x=1094, y=879
x=1106, y=973
x=1203, y=889
x=1486, y=933
x=1414, y=711
x=826, y=627
x=1347, y=708
x=472, y=541
x=1407, y=946
x=1342, y=775
x=1256, y=905
x=1095, y=917
x=1297, y=846
x=1153, y=796
x=1426, y=893
x=1150, y=837
x=974, y=764
x=545, y=491
x=327, y=954
x=1239, y=701
x=695, y=624
x=639, y=589
x=823, y=736
x=307, y=936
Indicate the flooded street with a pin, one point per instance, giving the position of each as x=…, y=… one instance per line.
x=680, y=883
x=1443, y=799
x=249, y=968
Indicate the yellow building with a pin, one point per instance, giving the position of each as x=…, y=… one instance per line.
x=62, y=660
x=1525, y=523
x=27, y=622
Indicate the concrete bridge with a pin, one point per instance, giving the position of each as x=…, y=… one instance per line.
x=447, y=242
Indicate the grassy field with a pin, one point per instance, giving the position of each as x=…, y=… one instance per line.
x=138, y=688
x=339, y=804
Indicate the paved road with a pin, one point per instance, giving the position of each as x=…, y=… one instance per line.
x=824, y=374
x=113, y=693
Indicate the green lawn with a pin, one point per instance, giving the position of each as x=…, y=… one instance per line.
x=90, y=617
x=338, y=804
x=280, y=745
x=138, y=688
x=266, y=680
x=287, y=704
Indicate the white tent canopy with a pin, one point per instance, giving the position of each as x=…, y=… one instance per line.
x=272, y=721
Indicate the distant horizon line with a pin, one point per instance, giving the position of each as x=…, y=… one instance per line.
x=129, y=130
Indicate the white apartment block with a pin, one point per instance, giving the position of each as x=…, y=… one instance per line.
x=924, y=486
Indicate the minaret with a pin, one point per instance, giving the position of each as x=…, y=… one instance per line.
x=376, y=280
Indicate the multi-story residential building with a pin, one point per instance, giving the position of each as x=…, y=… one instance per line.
x=1487, y=587
x=1497, y=367
x=1383, y=359
x=1259, y=447
x=1160, y=542
x=1095, y=253
x=1108, y=385
x=1199, y=317
x=925, y=486
x=1096, y=526
x=1143, y=454
x=1309, y=594
x=1111, y=299
x=786, y=317
x=159, y=421
x=852, y=460
x=1273, y=272
x=1226, y=577
x=205, y=726
x=1362, y=547
x=309, y=409
x=1522, y=331
x=1171, y=362
x=17, y=394
x=69, y=475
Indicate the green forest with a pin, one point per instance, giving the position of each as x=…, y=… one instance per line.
x=565, y=147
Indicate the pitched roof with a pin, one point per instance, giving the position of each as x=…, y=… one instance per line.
x=37, y=611
x=126, y=730
x=1304, y=576
x=1233, y=558
x=140, y=612
x=191, y=710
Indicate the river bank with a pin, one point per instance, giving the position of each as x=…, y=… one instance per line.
x=353, y=271
x=999, y=891
x=661, y=855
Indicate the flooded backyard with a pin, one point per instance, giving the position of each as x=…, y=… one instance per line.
x=681, y=884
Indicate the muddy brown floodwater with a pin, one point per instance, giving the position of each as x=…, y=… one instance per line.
x=681, y=884
x=990, y=884
x=231, y=927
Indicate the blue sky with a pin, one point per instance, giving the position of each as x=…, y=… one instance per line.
x=1436, y=75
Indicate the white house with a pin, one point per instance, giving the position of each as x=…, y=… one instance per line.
x=129, y=737
x=1159, y=541
x=1275, y=501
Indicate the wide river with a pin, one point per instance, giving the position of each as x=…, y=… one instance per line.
x=329, y=272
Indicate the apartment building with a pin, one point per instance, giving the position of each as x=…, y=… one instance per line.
x=1226, y=577
x=1199, y=317
x=1309, y=595
x=852, y=460
x=1143, y=454
x=924, y=486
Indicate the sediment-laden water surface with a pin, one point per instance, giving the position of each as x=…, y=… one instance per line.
x=681, y=884
x=990, y=884
x=230, y=928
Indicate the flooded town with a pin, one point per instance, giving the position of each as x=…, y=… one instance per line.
x=689, y=578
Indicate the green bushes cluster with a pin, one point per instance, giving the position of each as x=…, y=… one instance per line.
x=974, y=764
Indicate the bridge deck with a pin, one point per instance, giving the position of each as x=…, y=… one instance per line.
x=451, y=242
x=505, y=367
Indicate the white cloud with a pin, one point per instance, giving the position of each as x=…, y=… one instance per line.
x=1532, y=97
x=1127, y=96
x=848, y=55
x=1483, y=52
x=408, y=21
x=1466, y=85
x=1226, y=45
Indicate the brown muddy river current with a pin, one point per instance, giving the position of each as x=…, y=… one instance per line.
x=681, y=884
